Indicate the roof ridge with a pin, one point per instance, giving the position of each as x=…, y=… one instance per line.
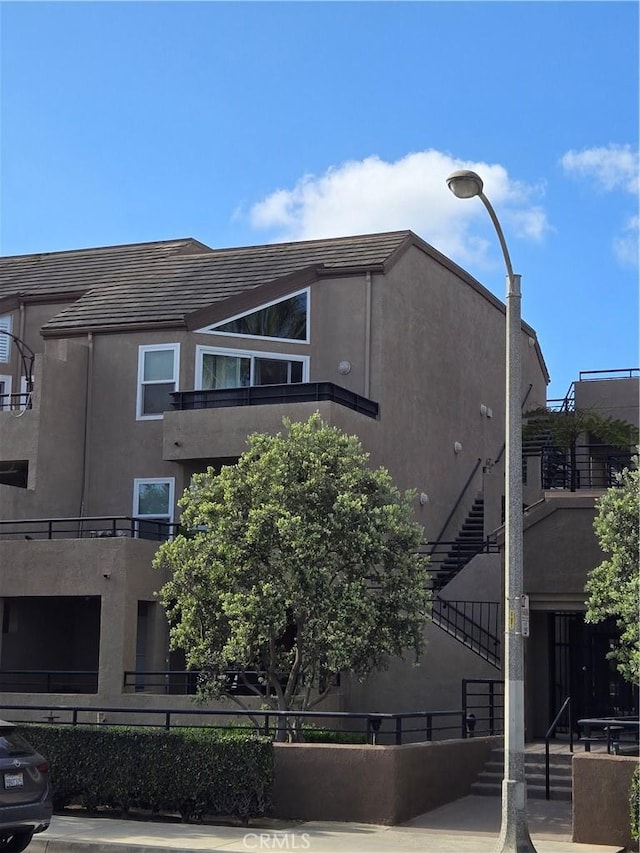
x=406, y=232
x=98, y=249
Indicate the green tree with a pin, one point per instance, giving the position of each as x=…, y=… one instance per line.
x=613, y=587
x=302, y=563
x=562, y=430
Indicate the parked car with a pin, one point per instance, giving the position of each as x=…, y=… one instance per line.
x=25, y=792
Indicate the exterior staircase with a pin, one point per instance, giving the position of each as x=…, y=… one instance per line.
x=469, y=542
x=489, y=781
x=475, y=624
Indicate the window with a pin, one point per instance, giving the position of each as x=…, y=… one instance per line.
x=158, y=370
x=285, y=319
x=5, y=340
x=153, y=506
x=5, y=393
x=219, y=368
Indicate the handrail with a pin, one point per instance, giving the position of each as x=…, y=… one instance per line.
x=597, y=374
x=473, y=634
x=550, y=732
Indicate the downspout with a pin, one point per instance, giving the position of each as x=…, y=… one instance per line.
x=88, y=408
x=367, y=337
x=21, y=324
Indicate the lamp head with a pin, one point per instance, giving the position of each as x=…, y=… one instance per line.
x=465, y=184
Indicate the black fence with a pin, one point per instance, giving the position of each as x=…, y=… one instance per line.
x=48, y=681
x=264, y=395
x=15, y=402
x=483, y=705
x=590, y=467
x=482, y=713
x=96, y=527
x=373, y=728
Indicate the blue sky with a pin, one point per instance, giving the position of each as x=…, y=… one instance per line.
x=251, y=122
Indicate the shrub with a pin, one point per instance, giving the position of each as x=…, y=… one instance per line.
x=192, y=771
x=634, y=804
x=311, y=734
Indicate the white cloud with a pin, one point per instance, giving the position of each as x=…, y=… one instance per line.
x=627, y=246
x=372, y=195
x=614, y=167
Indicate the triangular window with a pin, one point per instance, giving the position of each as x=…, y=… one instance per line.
x=286, y=319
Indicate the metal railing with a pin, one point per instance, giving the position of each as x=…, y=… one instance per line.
x=483, y=705
x=476, y=624
x=566, y=706
x=94, y=527
x=15, y=402
x=261, y=395
x=48, y=681
x=592, y=467
x=618, y=373
x=446, y=559
x=377, y=728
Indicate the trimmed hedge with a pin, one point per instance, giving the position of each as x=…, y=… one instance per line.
x=634, y=804
x=191, y=771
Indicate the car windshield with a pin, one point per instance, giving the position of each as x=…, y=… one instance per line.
x=11, y=744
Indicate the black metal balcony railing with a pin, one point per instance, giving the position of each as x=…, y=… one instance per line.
x=48, y=681
x=15, y=402
x=261, y=395
x=96, y=527
x=590, y=467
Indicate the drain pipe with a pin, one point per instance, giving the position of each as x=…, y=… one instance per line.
x=367, y=338
x=88, y=407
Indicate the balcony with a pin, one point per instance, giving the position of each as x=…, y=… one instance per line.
x=19, y=436
x=214, y=424
x=94, y=527
x=590, y=467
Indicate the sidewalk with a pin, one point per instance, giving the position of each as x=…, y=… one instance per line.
x=469, y=825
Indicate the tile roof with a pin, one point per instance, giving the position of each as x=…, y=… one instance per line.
x=158, y=284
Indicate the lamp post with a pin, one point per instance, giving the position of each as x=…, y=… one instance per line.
x=514, y=833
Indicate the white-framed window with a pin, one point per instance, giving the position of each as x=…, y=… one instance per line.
x=5, y=340
x=285, y=319
x=225, y=368
x=153, y=503
x=5, y=393
x=158, y=372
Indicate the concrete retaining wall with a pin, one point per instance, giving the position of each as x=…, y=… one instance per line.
x=374, y=784
x=601, y=785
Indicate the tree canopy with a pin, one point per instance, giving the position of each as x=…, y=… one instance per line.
x=560, y=431
x=298, y=562
x=613, y=587
x=564, y=428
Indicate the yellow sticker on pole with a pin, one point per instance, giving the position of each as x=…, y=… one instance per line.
x=512, y=620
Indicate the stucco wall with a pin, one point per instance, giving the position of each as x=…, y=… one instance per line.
x=601, y=785
x=566, y=520
x=373, y=784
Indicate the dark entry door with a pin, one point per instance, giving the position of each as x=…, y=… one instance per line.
x=579, y=668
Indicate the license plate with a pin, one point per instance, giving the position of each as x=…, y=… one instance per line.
x=13, y=780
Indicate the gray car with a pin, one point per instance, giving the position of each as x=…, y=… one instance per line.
x=25, y=792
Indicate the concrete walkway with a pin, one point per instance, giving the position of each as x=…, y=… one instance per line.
x=469, y=825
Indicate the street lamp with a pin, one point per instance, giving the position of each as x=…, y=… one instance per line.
x=514, y=833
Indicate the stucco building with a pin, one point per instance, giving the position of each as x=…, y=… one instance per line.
x=124, y=370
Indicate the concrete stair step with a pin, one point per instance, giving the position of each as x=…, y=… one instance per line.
x=531, y=778
x=489, y=781
x=535, y=792
x=560, y=771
